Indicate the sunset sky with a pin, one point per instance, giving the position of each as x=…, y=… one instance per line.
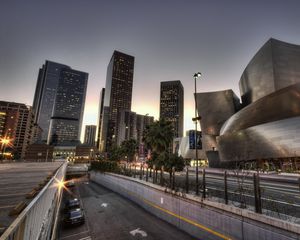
x=170, y=40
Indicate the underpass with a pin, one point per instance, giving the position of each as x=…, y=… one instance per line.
x=111, y=216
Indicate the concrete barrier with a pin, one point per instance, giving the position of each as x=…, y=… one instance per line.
x=200, y=218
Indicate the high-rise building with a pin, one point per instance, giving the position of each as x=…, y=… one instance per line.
x=142, y=121
x=171, y=105
x=90, y=135
x=118, y=95
x=100, y=117
x=126, y=126
x=59, y=100
x=16, y=121
x=68, y=108
x=45, y=93
x=2, y=122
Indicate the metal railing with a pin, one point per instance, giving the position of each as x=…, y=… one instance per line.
x=239, y=188
x=38, y=219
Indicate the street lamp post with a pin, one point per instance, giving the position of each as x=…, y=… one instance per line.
x=4, y=142
x=196, y=75
x=91, y=155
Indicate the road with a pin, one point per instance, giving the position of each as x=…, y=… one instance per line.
x=110, y=216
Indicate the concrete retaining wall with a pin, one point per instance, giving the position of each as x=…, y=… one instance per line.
x=201, y=219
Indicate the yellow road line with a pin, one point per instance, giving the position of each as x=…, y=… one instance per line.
x=7, y=206
x=182, y=218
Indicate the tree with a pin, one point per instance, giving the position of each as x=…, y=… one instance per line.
x=129, y=148
x=170, y=160
x=115, y=153
x=159, y=135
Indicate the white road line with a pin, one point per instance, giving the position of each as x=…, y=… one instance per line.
x=86, y=238
x=87, y=222
x=73, y=235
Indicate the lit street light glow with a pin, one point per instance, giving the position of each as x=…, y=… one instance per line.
x=4, y=142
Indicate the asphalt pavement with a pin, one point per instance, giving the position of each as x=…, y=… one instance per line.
x=18, y=179
x=112, y=217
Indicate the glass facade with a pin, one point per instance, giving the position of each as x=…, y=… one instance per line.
x=45, y=93
x=171, y=105
x=90, y=134
x=118, y=94
x=66, y=119
x=100, y=118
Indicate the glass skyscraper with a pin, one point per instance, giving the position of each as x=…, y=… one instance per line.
x=59, y=103
x=118, y=96
x=171, y=104
x=44, y=96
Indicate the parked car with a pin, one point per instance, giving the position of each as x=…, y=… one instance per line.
x=70, y=184
x=74, y=217
x=72, y=204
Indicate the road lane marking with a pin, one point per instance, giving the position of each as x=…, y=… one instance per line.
x=73, y=235
x=81, y=200
x=7, y=206
x=104, y=205
x=220, y=235
x=138, y=231
x=86, y=238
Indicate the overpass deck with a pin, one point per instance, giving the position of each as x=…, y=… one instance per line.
x=18, y=179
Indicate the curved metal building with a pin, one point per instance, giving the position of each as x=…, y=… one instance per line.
x=275, y=66
x=268, y=125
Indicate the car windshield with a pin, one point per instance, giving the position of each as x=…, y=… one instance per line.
x=75, y=214
x=73, y=202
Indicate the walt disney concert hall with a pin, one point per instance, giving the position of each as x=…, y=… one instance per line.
x=265, y=126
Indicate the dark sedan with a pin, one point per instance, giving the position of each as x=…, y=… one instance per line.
x=74, y=217
x=72, y=204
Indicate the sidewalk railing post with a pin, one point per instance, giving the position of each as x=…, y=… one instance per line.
x=147, y=174
x=203, y=184
x=173, y=178
x=153, y=175
x=225, y=188
x=257, y=196
x=187, y=180
x=134, y=174
x=162, y=176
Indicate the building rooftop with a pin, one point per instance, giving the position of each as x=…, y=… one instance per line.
x=17, y=180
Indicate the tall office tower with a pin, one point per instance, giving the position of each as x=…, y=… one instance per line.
x=171, y=104
x=142, y=121
x=45, y=93
x=68, y=107
x=118, y=95
x=100, y=116
x=90, y=135
x=126, y=126
x=16, y=121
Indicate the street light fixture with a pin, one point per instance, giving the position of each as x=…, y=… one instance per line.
x=196, y=119
x=4, y=141
x=91, y=154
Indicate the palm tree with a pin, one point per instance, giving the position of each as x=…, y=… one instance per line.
x=159, y=135
x=129, y=148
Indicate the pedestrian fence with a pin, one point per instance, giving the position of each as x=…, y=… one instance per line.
x=240, y=188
